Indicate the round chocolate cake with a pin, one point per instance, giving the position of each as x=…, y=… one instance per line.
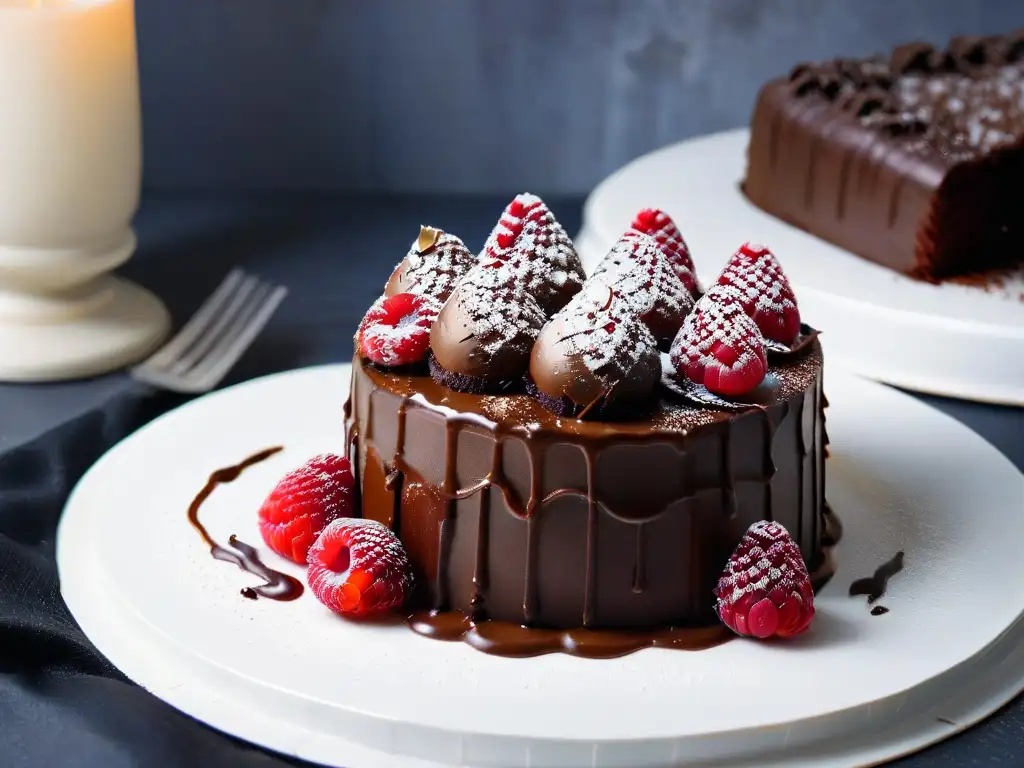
x=520, y=500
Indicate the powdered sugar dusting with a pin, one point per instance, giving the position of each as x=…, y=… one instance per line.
x=767, y=559
x=710, y=327
x=391, y=340
x=530, y=238
x=967, y=113
x=550, y=265
x=599, y=327
x=659, y=225
x=759, y=284
x=374, y=550
x=435, y=271
x=640, y=275
x=494, y=299
x=502, y=238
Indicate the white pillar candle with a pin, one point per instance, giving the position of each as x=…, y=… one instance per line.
x=70, y=175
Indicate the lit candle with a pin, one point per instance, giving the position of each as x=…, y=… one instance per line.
x=70, y=175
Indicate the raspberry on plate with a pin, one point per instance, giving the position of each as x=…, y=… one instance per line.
x=765, y=590
x=764, y=291
x=720, y=348
x=303, y=502
x=358, y=568
x=395, y=331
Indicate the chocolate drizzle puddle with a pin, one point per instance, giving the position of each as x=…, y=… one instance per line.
x=276, y=585
x=502, y=638
x=874, y=586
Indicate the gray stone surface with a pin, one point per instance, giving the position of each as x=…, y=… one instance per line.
x=479, y=95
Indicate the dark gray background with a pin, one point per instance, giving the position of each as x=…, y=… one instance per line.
x=479, y=95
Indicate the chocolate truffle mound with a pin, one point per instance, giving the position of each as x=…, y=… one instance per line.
x=595, y=358
x=641, y=275
x=483, y=335
x=434, y=265
x=529, y=232
x=553, y=270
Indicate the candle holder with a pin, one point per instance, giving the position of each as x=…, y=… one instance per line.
x=70, y=180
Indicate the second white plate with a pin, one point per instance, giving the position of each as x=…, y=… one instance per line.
x=949, y=339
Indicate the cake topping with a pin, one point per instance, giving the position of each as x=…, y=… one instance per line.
x=595, y=357
x=831, y=79
x=959, y=101
x=764, y=291
x=523, y=208
x=395, y=332
x=428, y=238
x=482, y=339
x=304, y=502
x=972, y=50
x=640, y=274
x=765, y=590
x=549, y=263
x=660, y=226
x=435, y=263
x=529, y=233
x=358, y=568
x=912, y=57
x=720, y=348
x=965, y=114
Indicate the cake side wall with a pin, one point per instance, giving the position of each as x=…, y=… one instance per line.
x=561, y=533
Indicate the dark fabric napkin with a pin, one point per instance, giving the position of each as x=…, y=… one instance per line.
x=61, y=702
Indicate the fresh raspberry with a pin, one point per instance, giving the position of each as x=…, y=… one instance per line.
x=660, y=226
x=358, y=568
x=304, y=502
x=765, y=590
x=531, y=242
x=766, y=293
x=720, y=348
x=396, y=330
x=522, y=209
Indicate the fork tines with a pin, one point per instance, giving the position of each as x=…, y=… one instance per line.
x=205, y=349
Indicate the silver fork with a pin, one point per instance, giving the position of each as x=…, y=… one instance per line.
x=199, y=357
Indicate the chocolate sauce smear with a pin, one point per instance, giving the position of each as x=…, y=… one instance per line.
x=501, y=638
x=276, y=585
x=874, y=586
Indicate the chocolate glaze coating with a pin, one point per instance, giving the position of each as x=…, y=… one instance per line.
x=910, y=161
x=512, y=513
x=433, y=266
x=641, y=275
x=580, y=379
x=484, y=355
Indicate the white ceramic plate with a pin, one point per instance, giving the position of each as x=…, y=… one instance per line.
x=295, y=678
x=949, y=339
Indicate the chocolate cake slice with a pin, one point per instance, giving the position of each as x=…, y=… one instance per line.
x=914, y=161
